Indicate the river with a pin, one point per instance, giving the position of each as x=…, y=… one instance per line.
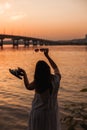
x=15, y=100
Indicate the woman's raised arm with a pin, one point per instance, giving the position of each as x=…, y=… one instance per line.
x=52, y=63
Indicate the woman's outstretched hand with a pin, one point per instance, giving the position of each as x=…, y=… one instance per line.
x=22, y=71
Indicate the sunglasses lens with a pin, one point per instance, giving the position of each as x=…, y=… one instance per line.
x=36, y=50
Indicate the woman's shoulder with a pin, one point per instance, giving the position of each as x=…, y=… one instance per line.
x=55, y=77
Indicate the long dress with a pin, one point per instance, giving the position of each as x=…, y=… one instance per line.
x=44, y=114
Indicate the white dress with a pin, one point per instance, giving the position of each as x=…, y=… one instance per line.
x=44, y=114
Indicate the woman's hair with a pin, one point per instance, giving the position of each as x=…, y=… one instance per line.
x=42, y=77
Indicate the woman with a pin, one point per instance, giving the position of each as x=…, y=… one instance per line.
x=44, y=114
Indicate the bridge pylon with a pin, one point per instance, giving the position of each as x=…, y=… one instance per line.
x=15, y=43
x=26, y=43
x=1, y=43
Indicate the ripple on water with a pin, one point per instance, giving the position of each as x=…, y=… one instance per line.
x=13, y=116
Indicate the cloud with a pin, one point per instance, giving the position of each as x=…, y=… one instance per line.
x=4, y=7
x=6, y=10
x=17, y=17
x=7, y=5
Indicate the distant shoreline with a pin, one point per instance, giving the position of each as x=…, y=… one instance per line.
x=51, y=47
x=55, y=44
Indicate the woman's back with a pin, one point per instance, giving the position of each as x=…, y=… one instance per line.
x=44, y=114
x=46, y=100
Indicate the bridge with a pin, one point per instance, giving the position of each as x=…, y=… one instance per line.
x=26, y=41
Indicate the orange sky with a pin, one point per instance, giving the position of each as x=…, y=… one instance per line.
x=49, y=19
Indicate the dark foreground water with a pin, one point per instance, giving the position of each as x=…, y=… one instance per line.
x=15, y=100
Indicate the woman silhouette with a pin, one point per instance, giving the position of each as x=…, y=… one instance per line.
x=44, y=114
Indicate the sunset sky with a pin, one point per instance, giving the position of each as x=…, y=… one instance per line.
x=49, y=19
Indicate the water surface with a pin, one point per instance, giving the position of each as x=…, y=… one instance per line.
x=15, y=100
